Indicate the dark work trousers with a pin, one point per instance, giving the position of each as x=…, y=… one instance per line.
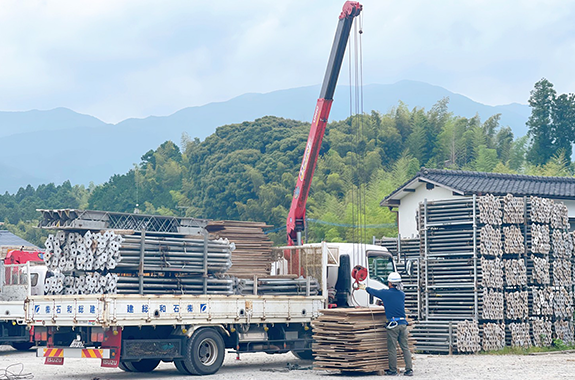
x=398, y=334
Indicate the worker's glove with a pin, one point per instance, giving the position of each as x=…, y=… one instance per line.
x=362, y=286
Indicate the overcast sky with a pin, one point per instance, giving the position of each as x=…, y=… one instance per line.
x=117, y=59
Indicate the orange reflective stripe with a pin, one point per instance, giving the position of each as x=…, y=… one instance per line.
x=92, y=353
x=53, y=352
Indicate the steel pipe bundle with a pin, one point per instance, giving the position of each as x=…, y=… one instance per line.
x=541, y=209
x=491, y=241
x=562, y=303
x=513, y=240
x=515, y=272
x=559, y=216
x=177, y=285
x=68, y=251
x=520, y=334
x=468, y=336
x=539, y=270
x=91, y=263
x=540, y=239
x=492, y=271
x=562, y=244
x=564, y=330
x=517, y=305
x=492, y=304
x=562, y=275
x=542, y=333
x=279, y=286
x=493, y=337
x=542, y=301
x=513, y=209
x=490, y=209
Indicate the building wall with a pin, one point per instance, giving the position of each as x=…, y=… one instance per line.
x=407, y=210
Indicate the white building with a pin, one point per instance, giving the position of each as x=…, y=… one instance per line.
x=435, y=184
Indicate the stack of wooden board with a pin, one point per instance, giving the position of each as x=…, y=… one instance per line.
x=352, y=340
x=253, y=253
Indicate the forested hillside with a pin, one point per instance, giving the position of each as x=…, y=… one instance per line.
x=247, y=171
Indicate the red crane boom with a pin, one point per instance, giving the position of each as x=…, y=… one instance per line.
x=296, y=216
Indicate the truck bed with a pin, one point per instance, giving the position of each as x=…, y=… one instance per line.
x=142, y=310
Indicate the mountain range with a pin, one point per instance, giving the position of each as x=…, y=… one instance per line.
x=60, y=144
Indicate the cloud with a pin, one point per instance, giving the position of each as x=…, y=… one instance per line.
x=120, y=59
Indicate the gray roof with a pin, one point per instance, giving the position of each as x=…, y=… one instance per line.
x=469, y=183
x=7, y=238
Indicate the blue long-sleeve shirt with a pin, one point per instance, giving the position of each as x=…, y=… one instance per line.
x=393, y=302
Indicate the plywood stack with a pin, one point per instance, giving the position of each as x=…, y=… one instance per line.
x=352, y=340
x=253, y=253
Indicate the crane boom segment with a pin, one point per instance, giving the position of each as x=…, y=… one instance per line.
x=296, y=216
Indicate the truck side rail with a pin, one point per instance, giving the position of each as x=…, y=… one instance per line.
x=141, y=310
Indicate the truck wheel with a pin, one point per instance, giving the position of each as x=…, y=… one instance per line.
x=126, y=367
x=181, y=367
x=304, y=355
x=204, y=352
x=22, y=346
x=144, y=365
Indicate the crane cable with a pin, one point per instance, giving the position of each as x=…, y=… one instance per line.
x=356, y=119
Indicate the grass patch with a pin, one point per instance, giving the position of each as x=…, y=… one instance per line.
x=558, y=345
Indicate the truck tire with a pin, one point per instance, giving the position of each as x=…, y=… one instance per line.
x=144, y=365
x=126, y=367
x=22, y=346
x=304, y=355
x=181, y=367
x=204, y=352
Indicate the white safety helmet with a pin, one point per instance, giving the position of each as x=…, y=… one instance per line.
x=394, y=278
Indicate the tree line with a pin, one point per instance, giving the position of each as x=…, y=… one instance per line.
x=247, y=171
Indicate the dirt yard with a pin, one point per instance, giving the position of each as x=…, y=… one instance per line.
x=262, y=366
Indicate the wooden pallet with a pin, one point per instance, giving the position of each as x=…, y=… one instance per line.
x=253, y=253
x=353, y=340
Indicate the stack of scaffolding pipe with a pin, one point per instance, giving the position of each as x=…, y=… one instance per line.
x=542, y=301
x=493, y=336
x=492, y=271
x=176, y=285
x=468, y=336
x=542, y=332
x=564, y=330
x=513, y=209
x=279, y=286
x=515, y=272
x=539, y=268
x=490, y=210
x=562, y=275
x=520, y=334
x=513, y=240
x=540, y=242
x=91, y=263
x=493, y=306
x=491, y=243
x=516, y=305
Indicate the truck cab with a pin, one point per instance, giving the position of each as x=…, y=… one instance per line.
x=341, y=259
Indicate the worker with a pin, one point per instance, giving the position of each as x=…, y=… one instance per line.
x=394, y=302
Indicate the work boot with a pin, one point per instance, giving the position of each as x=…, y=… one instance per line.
x=389, y=372
x=409, y=372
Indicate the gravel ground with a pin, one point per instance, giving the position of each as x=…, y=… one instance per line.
x=262, y=366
